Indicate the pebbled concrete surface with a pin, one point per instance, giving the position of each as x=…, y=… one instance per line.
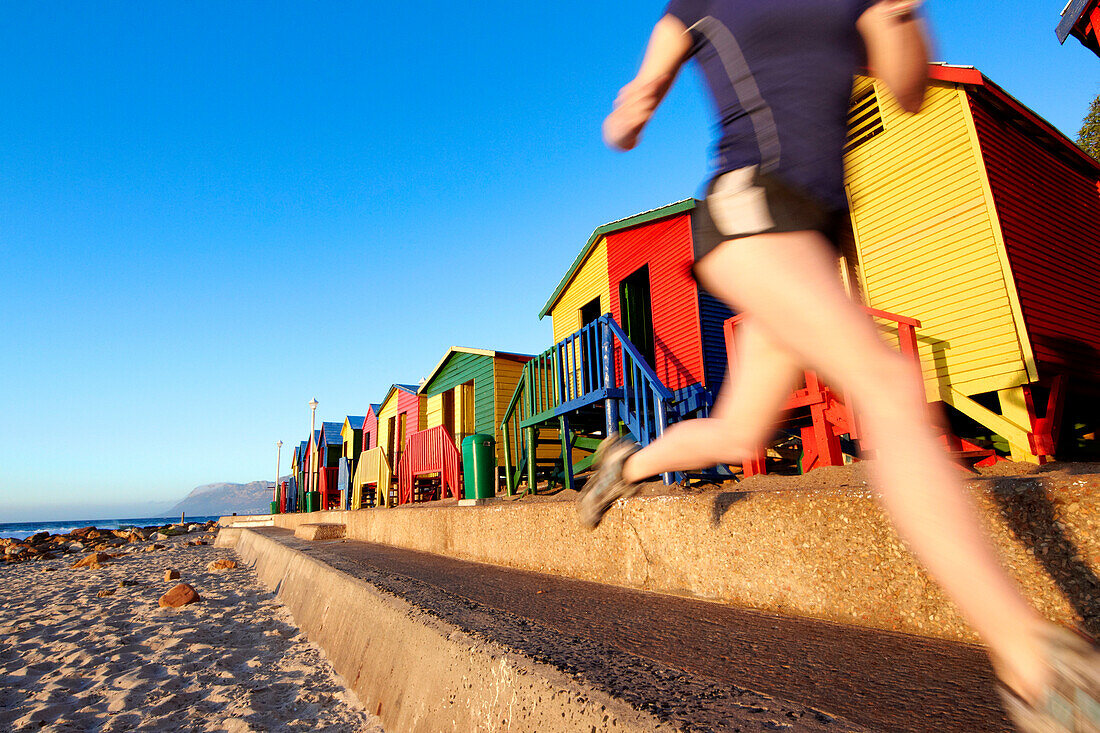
x=815, y=545
x=697, y=665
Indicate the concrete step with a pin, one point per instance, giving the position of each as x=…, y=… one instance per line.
x=320, y=531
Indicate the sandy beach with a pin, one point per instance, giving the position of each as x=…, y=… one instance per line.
x=71, y=660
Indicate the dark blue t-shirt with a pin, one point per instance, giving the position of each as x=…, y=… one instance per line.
x=780, y=72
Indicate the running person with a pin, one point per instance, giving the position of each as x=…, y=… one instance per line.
x=780, y=73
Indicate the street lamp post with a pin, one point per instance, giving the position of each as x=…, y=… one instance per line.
x=313, y=497
x=276, y=505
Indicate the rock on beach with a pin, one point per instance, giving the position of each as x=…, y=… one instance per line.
x=181, y=595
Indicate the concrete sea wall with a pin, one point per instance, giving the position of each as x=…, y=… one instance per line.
x=825, y=553
x=406, y=665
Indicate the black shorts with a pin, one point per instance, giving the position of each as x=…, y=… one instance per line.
x=745, y=202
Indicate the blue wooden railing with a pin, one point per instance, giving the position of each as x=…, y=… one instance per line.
x=580, y=370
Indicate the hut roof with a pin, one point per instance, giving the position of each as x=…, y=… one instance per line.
x=1012, y=110
x=631, y=221
x=1075, y=22
x=354, y=422
x=331, y=433
x=480, y=352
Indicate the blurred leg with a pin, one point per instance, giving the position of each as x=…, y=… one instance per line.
x=789, y=285
x=743, y=417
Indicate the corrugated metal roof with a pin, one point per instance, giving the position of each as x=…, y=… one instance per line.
x=375, y=408
x=356, y=421
x=331, y=433
x=410, y=388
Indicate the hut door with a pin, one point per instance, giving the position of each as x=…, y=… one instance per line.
x=449, y=412
x=637, y=312
x=467, y=409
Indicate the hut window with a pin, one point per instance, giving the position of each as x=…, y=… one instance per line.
x=590, y=311
x=864, y=119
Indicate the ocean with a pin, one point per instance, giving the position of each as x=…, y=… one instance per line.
x=22, y=530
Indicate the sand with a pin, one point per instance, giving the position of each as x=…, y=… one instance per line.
x=71, y=661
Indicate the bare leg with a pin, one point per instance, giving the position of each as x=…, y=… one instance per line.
x=789, y=285
x=743, y=416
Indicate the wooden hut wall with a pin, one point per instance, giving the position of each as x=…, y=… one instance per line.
x=665, y=247
x=370, y=430
x=385, y=412
x=589, y=282
x=460, y=369
x=1049, y=210
x=353, y=441
x=506, y=375
x=926, y=244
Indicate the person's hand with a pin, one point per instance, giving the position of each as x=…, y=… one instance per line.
x=634, y=106
x=899, y=8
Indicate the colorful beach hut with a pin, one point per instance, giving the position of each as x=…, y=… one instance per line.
x=637, y=342
x=982, y=221
x=330, y=452
x=351, y=433
x=401, y=413
x=466, y=393
x=371, y=465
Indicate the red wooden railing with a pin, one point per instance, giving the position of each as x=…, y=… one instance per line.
x=330, y=488
x=831, y=417
x=429, y=451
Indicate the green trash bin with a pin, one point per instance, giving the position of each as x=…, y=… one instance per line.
x=274, y=507
x=479, y=466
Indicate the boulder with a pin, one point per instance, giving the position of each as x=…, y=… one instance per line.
x=194, y=527
x=222, y=565
x=105, y=593
x=127, y=583
x=37, y=537
x=181, y=595
x=171, y=574
x=5, y=541
x=94, y=560
x=157, y=547
x=160, y=536
x=76, y=546
x=15, y=550
x=82, y=532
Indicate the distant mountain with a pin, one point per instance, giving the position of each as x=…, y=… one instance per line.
x=224, y=499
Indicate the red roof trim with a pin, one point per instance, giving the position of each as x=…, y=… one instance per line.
x=955, y=74
x=972, y=77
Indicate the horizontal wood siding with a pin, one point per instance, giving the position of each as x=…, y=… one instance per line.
x=1050, y=217
x=590, y=282
x=666, y=247
x=713, y=313
x=460, y=369
x=415, y=409
x=926, y=242
x=506, y=374
x=434, y=410
x=370, y=430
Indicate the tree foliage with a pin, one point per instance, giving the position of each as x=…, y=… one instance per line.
x=1089, y=137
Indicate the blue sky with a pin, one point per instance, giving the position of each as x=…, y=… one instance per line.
x=212, y=212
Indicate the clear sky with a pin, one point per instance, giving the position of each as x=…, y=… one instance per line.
x=212, y=212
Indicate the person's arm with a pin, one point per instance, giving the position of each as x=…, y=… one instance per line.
x=669, y=46
x=897, y=49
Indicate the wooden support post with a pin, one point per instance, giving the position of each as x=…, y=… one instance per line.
x=509, y=479
x=607, y=365
x=532, y=447
x=1016, y=405
x=566, y=453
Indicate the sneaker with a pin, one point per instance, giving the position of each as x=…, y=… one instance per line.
x=1071, y=701
x=607, y=485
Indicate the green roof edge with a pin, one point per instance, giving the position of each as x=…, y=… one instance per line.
x=631, y=221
